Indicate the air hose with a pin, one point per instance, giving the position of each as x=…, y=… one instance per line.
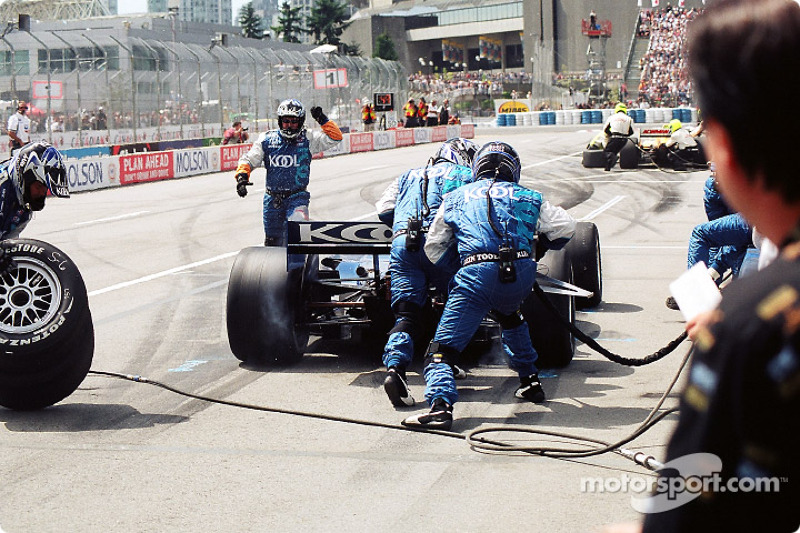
x=666, y=350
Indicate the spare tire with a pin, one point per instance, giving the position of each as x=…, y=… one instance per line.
x=46, y=333
x=594, y=158
x=265, y=310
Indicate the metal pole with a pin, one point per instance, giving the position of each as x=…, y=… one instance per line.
x=77, y=81
x=255, y=85
x=49, y=68
x=133, y=86
x=199, y=92
x=180, y=86
x=108, y=85
x=238, y=81
x=219, y=91
x=158, y=85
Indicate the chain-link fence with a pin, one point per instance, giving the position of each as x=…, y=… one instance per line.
x=87, y=88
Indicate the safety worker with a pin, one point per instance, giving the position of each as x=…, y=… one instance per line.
x=35, y=170
x=409, y=205
x=494, y=222
x=286, y=154
x=19, y=128
x=422, y=112
x=410, y=111
x=368, y=116
x=681, y=149
x=618, y=128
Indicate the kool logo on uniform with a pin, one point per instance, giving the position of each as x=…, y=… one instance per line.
x=479, y=193
x=283, y=160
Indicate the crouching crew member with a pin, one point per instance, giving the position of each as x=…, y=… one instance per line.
x=493, y=222
x=409, y=205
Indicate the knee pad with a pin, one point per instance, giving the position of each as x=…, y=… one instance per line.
x=408, y=317
x=509, y=321
x=440, y=353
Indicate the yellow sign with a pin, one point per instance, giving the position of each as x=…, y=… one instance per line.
x=513, y=106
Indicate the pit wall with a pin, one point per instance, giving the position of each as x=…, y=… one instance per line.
x=100, y=169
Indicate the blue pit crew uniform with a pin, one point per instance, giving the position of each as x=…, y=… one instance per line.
x=13, y=215
x=722, y=242
x=477, y=289
x=288, y=164
x=411, y=271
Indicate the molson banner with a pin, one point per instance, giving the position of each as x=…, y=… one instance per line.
x=520, y=105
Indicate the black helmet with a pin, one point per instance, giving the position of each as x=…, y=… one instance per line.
x=497, y=159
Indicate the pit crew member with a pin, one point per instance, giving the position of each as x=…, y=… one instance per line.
x=618, y=128
x=286, y=154
x=409, y=205
x=681, y=149
x=494, y=222
x=25, y=180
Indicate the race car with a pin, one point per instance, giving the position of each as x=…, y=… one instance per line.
x=646, y=149
x=332, y=280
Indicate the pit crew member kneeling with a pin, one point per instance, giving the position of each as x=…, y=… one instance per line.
x=25, y=180
x=494, y=222
x=286, y=153
x=681, y=150
x=410, y=203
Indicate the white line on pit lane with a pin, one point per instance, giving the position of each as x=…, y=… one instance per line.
x=550, y=160
x=608, y=205
x=109, y=219
x=177, y=269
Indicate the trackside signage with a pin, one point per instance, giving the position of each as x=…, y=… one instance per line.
x=468, y=131
x=422, y=135
x=147, y=166
x=439, y=133
x=88, y=174
x=404, y=137
x=383, y=140
x=195, y=161
x=230, y=154
x=361, y=142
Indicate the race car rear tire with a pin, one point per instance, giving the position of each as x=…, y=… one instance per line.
x=629, y=156
x=554, y=343
x=587, y=269
x=265, y=307
x=594, y=159
x=46, y=333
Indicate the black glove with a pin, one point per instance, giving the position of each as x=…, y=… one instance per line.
x=242, y=181
x=6, y=260
x=541, y=248
x=318, y=115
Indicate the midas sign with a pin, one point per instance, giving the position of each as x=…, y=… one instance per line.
x=513, y=106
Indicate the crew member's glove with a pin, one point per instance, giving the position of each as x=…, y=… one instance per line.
x=318, y=115
x=242, y=181
x=6, y=260
x=541, y=248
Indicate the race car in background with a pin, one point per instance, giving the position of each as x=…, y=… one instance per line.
x=645, y=149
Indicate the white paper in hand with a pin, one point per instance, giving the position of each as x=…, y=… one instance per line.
x=695, y=291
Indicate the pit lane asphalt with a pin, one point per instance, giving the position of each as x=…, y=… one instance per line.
x=121, y=456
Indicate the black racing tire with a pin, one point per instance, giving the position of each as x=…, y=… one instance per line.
x=554, y=343
x=594, y=158
x=587, y=269
x=46, y=333
x=265, y=308
x=629, y=156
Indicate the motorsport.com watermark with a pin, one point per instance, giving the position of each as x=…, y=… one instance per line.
x=689, y=477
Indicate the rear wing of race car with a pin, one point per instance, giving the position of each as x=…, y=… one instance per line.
x=339, y=238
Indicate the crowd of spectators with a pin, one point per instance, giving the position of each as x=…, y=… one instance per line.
x=98, y=119
x=456, y=85
x=665, y=80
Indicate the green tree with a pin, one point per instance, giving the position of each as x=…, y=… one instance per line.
x=250, y=22
x=350, y=49
x=384, y=48
x=290, y=24
x=327, y=21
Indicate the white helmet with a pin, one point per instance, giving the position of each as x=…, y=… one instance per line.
x=40, y=162
x=457, y=150
x=291, y=108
